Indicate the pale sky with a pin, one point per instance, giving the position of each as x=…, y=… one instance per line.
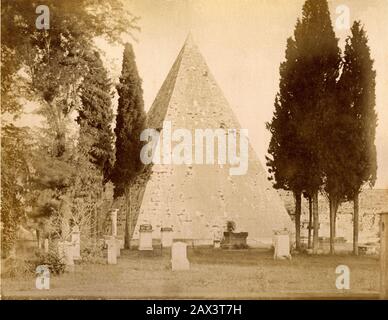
x=243, y=42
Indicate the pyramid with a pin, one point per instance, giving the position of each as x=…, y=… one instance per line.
x=194, y=199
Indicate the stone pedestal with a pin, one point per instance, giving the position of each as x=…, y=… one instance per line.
x=76, y=240
x=113, y=216
x=282, y=245
x=111, y=243
x=217, y=237
x=166, y=235
x=65, y=251
x=46, y=245
x=384, y=256
x=179, y=259
x=145, y=237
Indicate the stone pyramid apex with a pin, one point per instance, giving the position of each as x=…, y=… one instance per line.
x=189, y=39
x=190, y=43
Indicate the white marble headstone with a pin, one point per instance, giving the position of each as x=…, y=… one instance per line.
x=282, y=246
x=46, y=245
x=113, y=216
x=145, y=238
x=65, y=251
x=111, y=242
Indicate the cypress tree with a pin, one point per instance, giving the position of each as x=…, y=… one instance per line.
x=307, y=88
x=130, y=122
x=285, y=149
x=96, y=114
x=357, y=95
x=318, y=67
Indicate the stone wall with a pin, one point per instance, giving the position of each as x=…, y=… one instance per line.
x=372, y=202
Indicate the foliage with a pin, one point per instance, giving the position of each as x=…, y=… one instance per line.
x=303, y=106
x=17, y=268
x=130, y=122
x=357, y=93
x=48, y=68
x=84, y=195
x=95, y=115
x=53, y=261
x=15, y=173
x=93, y=253
x=307, y=89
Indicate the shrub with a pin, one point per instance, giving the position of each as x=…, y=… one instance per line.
x=53, y=260
x=17, y=268
x=93, y=254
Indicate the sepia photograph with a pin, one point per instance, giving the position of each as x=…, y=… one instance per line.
x=194, y=150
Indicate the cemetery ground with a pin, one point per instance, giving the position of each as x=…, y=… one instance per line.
x=214, y=273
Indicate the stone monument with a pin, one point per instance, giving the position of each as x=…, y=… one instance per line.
x=111, y=243
x=145, y=237
x=282, y=245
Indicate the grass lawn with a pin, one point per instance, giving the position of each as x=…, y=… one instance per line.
x=249, y=274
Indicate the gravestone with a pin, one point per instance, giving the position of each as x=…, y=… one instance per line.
x=46, y=245
x=166, y=237
x=217, y=236
x=282, y=245
x=179, y=259
x=145, y=237
x=65, y=251
x=113, y=216
x=111, y=243
x=76, y=240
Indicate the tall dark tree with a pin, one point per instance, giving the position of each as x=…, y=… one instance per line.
x=130, y=122
x=285, y=159
x=96, y=114
x=357, y=94
x=308, y=83
x=15, y=173
x=336, y=152
x=319, y=63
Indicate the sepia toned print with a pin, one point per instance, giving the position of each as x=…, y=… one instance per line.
x=166, y=149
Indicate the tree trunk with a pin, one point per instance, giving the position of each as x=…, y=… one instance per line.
x=298, y=210
x=310, y=222
x=355, y=224
x=127, y=237
x=316, y=223
x=333, y=206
